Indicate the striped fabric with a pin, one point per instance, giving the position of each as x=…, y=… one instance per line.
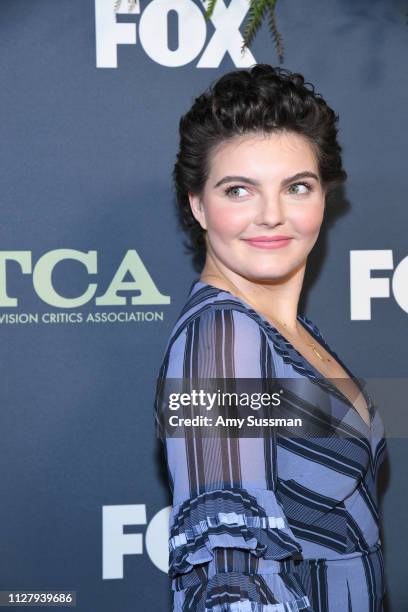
x=270, y=523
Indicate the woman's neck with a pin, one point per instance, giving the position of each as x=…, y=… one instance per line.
x=276, y=299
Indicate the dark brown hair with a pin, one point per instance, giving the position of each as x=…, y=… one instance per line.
x=263, y=99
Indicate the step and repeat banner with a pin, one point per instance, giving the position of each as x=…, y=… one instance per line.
x=94, y=268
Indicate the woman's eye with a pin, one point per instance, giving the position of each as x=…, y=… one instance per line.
x=230, y=190
x=233, y=191
x=306, y=185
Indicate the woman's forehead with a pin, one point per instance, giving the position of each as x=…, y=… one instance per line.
x=254, y=150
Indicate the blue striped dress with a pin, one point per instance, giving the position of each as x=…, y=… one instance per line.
x=269, y=524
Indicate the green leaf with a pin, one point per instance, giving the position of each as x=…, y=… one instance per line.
x=274, y=29
x=257, y=9
x=210, y=8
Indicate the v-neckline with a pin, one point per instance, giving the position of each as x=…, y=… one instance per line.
x=305, y=366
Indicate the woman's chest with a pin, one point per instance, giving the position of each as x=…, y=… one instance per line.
x=320, y=363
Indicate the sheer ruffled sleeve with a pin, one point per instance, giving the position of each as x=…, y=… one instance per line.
x=223, y=495
x=249, y=519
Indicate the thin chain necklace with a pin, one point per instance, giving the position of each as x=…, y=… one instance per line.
x=312, y=345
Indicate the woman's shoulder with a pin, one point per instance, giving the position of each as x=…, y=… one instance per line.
x=205, y=303
x=216, y=336
x=211, y=315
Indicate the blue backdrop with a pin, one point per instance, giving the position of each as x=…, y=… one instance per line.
x=94, y=270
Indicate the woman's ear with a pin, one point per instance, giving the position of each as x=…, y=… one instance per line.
x=197, y=209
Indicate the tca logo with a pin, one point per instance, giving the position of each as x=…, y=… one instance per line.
x=144, y=289
x=152, y=32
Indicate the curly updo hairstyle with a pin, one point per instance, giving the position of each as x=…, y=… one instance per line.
x=263, y=99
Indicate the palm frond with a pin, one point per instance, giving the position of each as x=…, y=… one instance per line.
x=255, y=14
x=210, y=8
x=274, y=29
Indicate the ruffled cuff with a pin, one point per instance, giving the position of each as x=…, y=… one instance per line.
x=228, y=518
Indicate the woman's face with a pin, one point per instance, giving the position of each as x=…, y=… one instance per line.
x=264, y=199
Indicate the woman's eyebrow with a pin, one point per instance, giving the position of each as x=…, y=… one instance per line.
x=284, y=182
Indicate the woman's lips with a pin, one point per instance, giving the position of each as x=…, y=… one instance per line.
x=269, y=243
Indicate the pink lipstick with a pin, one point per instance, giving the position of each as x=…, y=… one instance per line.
x=269, y=242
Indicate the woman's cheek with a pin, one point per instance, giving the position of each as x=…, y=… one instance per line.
x=309, y=220
x=228, y=222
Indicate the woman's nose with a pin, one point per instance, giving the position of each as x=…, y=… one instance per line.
x=270, y=210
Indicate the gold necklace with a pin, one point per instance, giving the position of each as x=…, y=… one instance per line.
x=312, y=345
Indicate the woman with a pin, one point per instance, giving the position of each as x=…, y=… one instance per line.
x=269, y=523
